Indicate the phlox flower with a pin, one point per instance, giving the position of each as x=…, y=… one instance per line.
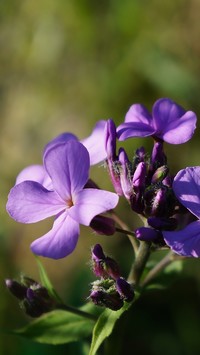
x=67, y=167
x=186, y=186
x=168, y=122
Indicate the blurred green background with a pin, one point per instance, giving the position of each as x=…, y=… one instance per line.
x=63, y=66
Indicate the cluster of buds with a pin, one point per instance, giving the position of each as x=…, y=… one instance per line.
x=146, y=184
x=111, y=290
x=33, y=298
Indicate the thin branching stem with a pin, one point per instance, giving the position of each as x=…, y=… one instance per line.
x=168, y=259
x=124, y=229
x=76, y=311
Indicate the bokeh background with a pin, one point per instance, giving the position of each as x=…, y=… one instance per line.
x=63, y=66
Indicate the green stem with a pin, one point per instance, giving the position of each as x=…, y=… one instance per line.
x=76, y=311
x=139, y=263
x=124, y=229
x=168, y=259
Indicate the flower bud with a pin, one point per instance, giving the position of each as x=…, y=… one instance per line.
x=109, y=300
x=34, y=298
x=139, y=176
x=103, y=225
x=104, y=266
x=160, y=174
x=125, y=289
x=147, y=234
x=125, y=174
x=16, y=288
x=158, y=157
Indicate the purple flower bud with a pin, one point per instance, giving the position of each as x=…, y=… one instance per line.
x=16, y=288
x=140, y=156
x=138, y=179
x=160, y=174
x=147, y=234
x=112, y=268
x=125, y=174
x=110, y=139
x=97, y=253
x=125, y=289
x=162, y=223
x=103, y=225
x=104, y=266
x=158, y=157
x=109, y=300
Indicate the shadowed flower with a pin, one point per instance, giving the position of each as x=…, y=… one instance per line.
x=186, y=186
x=67, y=165
x=168, y=122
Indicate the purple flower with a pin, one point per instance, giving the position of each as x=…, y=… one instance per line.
x=168, y=122
x=67, y=166
x=186, y=186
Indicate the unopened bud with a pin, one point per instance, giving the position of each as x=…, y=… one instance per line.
x=160, y=174
x=104, y=266
x=103, y=225
x=125, y=289
x=158, y=157
x=146, y=234
x=16, y=288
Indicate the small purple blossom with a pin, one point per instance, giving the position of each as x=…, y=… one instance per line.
x=67, y=166
x=186, y=186
x=169, y=122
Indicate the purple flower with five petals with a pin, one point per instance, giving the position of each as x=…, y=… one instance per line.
x=67, y=166
x=169, y=122
x=186, y=186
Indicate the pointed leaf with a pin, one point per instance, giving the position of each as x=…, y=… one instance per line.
x=57, y=327
x=45, y=281
x=105, y=325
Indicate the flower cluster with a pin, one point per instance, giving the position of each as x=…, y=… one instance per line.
x=33, y=298
x=62, y=188
x=111, y=290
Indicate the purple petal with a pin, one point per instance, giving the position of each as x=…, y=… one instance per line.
x=173, y=124
x=68, y=166
x=91, y=202
x=35, y=173
x=186, y=186
x=30, y=202
x=60, y=241
x=62, y=138
x=134, y=129
x=95, y=143
x=185, y=242
x=138, y=113
x=138, y=123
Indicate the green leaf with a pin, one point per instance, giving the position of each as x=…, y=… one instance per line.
x=46, y=281
x=57, y=327
x=104, y=326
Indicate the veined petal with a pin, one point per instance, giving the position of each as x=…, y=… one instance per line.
x=30, y=202
x=134, y=129
x=35, y=173
x=68, y=166
x=186, y=186
x=62, y=138
x=95, y=143
x=173, y=124
x=91, y=202
x=185, y=242
x=60, y=241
